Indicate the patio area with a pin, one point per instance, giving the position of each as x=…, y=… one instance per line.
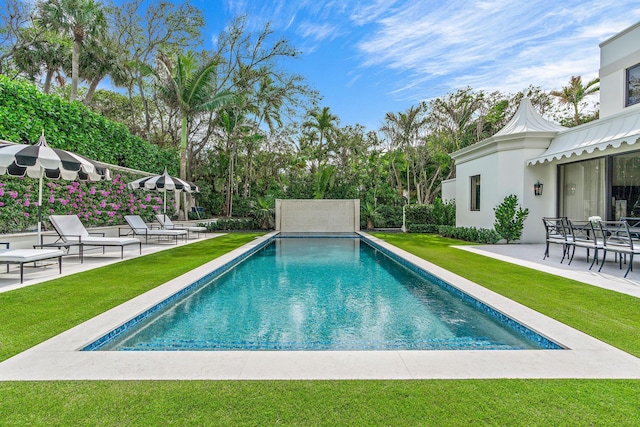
x=46, y=270
x=531, y=256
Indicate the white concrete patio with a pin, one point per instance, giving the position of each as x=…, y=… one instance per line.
x=531, y=256
x=59, y=358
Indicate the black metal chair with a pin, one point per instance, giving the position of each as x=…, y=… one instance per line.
x=583, y=234
x=618, y=239
x=557, y=232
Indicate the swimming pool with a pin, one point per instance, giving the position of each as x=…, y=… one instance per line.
x=320, y=294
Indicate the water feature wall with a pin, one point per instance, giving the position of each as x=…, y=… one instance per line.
x=317, y=216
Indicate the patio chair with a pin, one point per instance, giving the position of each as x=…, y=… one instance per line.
x=557, y=232
x=139, y=228
x=634, y=225
x=72, y=232
x=582, y=234
x=618, y=238
x=167, y=224
x=23, y=256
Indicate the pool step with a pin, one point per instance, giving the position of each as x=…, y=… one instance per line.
x=463, y=343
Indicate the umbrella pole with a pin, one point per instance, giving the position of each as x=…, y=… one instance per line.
x=40, y=210
x=164, y=204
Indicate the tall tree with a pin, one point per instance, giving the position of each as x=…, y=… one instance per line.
x=99, y=59
x=78, y=19
x=49, y=53
x=324, y=123
x=189, y=89
x=573, y=95
x=406, y=131
x=141, y=32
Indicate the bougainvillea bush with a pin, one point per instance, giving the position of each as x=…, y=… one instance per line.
x=96, y=203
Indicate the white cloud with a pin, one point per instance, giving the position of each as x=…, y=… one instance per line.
x=317, y=32
x=491, y=44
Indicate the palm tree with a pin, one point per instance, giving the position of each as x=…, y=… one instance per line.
x=99, y=59
x=41, y=51
x=235, y=127
x=405, y=131
x=190, y=91
x=574, y=94
x=325, y=123
x=79, y=19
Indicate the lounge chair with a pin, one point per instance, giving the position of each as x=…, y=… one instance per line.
x=71, y=231
x=139, y=228
x=23, y=256
x=167, y=224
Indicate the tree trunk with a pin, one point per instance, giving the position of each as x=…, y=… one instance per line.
x=47, y=81
x=145, y=104
x=91, y=91
x=75, y=68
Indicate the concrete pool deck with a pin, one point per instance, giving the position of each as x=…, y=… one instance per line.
x=59, y=358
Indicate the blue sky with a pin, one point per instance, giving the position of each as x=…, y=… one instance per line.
x=370, y=57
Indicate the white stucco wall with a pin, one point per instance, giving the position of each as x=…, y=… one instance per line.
x=616, y=55
x=317, y=216
x=503, y=173
x=449, y=190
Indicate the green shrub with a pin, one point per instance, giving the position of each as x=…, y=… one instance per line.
x=470, y=234
x=390, y=216
x=427, y=218
x=423, y=228
x=510, y=218
x=222, y=224
x=419, y=214
x=25, y=113
x=443, y=213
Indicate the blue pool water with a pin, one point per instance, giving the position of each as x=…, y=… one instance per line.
x=322, y=294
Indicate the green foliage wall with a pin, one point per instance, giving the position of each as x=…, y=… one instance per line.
x=25, y=113
x=438, y=213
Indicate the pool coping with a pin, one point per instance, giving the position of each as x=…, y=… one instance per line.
x=59, y=359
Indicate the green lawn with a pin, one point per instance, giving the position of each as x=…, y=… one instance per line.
x=33, y=314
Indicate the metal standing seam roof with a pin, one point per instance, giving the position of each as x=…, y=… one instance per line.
x=601, y=134
x=527, y=119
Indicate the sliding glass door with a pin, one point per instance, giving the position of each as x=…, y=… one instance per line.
x=582, y=189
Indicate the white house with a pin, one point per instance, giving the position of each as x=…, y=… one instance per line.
x=589, y=170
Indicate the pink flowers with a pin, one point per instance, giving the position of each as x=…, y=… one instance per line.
x=96, y=203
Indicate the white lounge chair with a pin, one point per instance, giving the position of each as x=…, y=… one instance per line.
x=139, y=228
x=167, y=224
x=23, y=256
x=71, y=231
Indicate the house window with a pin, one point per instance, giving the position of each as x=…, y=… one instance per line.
x=475, y=193
x=633, y=85
x=583, y=189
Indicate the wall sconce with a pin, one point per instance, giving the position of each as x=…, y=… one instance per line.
x=537, y=188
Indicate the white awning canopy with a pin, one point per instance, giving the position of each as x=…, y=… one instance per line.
x=601, y=134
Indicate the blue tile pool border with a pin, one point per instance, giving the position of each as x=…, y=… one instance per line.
x=97, y=344
x=532, y=335
x=542, y=341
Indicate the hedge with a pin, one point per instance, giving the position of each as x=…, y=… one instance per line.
x=25, y=113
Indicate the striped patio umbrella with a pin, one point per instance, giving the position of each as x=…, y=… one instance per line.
x=164, y=183
x=40, y=160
